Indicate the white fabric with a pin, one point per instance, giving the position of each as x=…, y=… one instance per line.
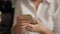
x=57, y=21
x=46, y=12
x=47, y=23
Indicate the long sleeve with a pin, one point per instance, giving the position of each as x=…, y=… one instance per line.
x=57, y=21
x=49, y=24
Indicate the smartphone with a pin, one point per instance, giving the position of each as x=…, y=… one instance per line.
x=29, y=17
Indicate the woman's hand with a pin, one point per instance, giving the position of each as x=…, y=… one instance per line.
x=20, y=26
x=38, y=27
x=25, y=24
x=22, y=22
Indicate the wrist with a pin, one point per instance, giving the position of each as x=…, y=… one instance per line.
x=44, y=31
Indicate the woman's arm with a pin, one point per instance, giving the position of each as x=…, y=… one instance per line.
x=19, y=28
x=39, y=28
x=46, y=31
x=16, y=30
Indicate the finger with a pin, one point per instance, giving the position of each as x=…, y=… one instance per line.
x=19, y=17
x=23, y=26
x=34, y=21
x=28, y=28
x=30, y=25
x=22, y=21
x=37, y=20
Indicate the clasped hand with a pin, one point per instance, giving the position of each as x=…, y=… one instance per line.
x=25, y=24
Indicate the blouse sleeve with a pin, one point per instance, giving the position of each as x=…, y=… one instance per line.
x=49, y=24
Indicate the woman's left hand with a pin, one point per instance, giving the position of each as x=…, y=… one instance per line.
x=36, y=28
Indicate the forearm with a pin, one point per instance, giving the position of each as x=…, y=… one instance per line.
x=47, y=32
x=17, y=30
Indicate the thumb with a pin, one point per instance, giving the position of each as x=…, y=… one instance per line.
x=38, y=21
x=23, y=26
x=30, y=25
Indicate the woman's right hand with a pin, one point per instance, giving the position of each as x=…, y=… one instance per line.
x=20, y=26
x=22, y=22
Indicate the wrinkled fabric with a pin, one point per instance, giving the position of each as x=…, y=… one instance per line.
x=47, y=13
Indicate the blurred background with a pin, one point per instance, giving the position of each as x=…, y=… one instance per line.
x=6, y=16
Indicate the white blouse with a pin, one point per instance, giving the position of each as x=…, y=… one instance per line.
x=48, y=12
x=48, y=23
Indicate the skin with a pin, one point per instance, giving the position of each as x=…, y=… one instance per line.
x=36, y=3
x=39, y=28
x=25, y=24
